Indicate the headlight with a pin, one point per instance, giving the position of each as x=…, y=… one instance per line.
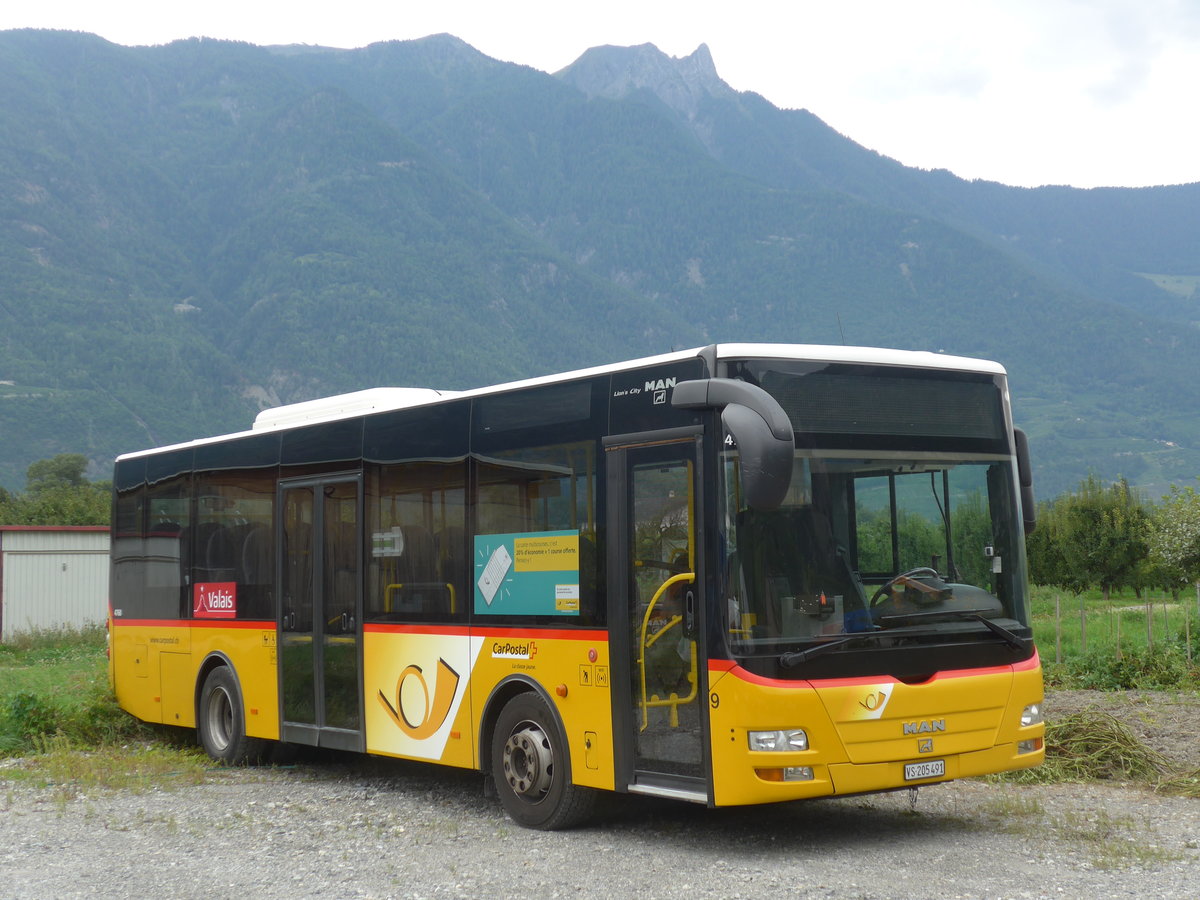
x=1031, y=715
x=791, y=739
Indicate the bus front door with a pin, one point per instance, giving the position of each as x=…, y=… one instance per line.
x=656, y=616
x=320, y=682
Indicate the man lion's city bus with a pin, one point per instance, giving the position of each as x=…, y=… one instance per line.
x=734, y=575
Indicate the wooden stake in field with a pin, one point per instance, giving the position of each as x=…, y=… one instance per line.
x=1057, y=629
x=1187, y=632
x=1082, y=626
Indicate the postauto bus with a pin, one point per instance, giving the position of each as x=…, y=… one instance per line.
x=740, y=574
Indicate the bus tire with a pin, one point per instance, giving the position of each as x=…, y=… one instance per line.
x=222, y=721
x=531, y=768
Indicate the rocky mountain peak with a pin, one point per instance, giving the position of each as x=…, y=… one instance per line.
x=615, y=72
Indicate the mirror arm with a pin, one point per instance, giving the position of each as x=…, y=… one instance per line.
x=763, y=432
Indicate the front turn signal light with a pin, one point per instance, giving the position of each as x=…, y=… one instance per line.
x=790, y=773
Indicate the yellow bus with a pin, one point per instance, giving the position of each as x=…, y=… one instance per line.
x=741, y=574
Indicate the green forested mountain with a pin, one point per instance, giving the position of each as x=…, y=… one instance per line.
x=191, y=232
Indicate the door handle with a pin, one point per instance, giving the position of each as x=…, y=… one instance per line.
x=689, y=613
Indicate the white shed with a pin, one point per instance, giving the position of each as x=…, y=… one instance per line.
x=52, y=577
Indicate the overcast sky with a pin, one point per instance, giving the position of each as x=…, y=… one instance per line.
x=1026, y=92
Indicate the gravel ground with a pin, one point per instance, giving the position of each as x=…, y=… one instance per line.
x=353, y=827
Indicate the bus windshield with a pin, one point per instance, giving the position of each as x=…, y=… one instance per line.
x=900, y=528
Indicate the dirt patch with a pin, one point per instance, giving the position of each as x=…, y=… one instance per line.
x=1166, y=722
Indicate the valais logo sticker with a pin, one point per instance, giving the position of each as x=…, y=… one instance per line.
x=217, y=600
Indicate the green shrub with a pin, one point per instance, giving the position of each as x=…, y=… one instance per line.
x=1162, y=667
x=55, y=684
x=30, y=715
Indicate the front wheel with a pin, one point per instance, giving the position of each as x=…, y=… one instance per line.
x=222, y=722
x=531, y=769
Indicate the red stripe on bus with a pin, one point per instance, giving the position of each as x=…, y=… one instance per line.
x=727, y=665
x=388, y=628
x=541, y=634
x=544, y=634
x=194, y=623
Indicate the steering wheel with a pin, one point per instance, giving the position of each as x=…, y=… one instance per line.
x=922, y=571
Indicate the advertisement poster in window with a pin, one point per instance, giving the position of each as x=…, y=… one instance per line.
x=527, y=574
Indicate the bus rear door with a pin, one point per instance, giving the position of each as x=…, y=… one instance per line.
x=320, y=620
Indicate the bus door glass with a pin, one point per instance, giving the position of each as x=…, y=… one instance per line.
x=320, y=677
x=657, y=507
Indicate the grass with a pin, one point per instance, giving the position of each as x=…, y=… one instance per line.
x=1112, y=842
x=56, y=683
x=1181, y=784
x=1122, y=644
x=62, y=764
x=58, y=714
x=1092, y=746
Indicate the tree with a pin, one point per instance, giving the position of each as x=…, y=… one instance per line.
x=58, y=494
x=1097, y=536
x=1047, y=563
x=64, y=469
x=1175, y=536
x=1104, y=534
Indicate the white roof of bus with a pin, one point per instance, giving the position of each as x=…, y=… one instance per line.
x=358, y=403
x=918, y=359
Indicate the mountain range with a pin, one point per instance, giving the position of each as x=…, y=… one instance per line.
x=192, y=232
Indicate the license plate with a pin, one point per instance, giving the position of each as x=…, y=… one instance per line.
x=933, y=768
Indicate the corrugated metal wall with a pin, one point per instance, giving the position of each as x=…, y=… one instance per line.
x=52, y=578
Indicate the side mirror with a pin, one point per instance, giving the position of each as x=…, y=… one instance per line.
x=1025, y=479
x=765, y=440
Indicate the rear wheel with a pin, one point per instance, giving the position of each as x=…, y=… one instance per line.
x=531, y=769
x=222, y=721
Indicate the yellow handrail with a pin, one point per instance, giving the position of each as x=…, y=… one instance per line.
x=389, y=589
x=674, y=701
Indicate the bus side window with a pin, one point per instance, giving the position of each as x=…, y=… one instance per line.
x=167, y=508
x=547, y=488
x=231, y=539
x=416, y=526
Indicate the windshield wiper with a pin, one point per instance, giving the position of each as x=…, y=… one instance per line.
x=795, y=657
x=1014, y=641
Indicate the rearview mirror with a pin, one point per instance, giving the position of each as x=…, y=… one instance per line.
x=1025, y=479
x=762, y=430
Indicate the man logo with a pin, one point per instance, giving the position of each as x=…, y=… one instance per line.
x=430, y=718
x=925, y=745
